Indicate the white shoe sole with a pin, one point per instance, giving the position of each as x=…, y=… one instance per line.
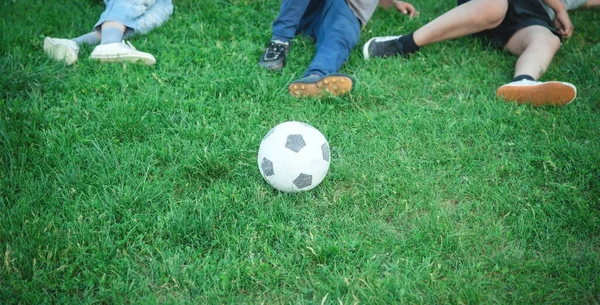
x=59, y=52
x=546, y=93
x=133, y=58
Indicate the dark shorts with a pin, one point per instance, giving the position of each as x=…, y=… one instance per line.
x=520, y=14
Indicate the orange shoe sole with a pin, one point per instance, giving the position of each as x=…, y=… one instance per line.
x=547, y=93
x=333, y=84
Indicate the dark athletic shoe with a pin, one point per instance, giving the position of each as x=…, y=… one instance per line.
x=274, y=56
x=384, y=46
x=538, y=93
x=316, y=85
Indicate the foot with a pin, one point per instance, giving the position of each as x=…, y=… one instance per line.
x=64, y=50
x=274, y=56
x=538, y=93
x=121, y=51
x=385, y=46
x=316, y=85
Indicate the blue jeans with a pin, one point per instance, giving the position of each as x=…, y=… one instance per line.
x=139, y=16
x=330, y=22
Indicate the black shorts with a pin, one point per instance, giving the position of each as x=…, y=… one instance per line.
x=520, y=14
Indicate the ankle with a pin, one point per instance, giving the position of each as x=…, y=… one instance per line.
x=111, y=35
x=521, y=77
x=409, y=44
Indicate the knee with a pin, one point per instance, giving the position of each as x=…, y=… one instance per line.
x=551, y=41
x=352, y=38
x=489, y=13
x=346, y=33
x=555, y=42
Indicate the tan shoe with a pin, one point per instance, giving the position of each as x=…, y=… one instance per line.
x=64, y=50
x=538, y=93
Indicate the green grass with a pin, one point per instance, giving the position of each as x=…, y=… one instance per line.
x=133, y=184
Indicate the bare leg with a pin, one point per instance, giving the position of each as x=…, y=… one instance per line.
x=535, y=46
x=591, y=3
x=469, y=18
x=113, y=24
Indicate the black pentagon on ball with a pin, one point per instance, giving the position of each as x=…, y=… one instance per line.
x=302, y=181
x=325, y=150
x=295, y=142
x=267, y=167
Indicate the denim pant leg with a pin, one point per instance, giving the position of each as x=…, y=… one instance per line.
x=287, y=23
x=154, y=16
x=337, y=32
x=125, y=12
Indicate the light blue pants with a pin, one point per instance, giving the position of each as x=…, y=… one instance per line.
x=139, y=16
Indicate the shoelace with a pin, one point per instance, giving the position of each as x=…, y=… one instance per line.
x=129, y=45
x=274, y=50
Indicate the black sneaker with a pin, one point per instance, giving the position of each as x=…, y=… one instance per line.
x=384, y=46
x=274, y=56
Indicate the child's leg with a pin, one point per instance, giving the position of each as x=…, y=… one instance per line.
x=336, y=33
x=336, y=30
x=290, y=14
x=117, y=20
x=591, y=3
x=469, y=18
x=134, y=16
x=295, y=16
x=153, y=17
x=111, y=32
x=118, y=15
x=91, y=38
x=535, y=46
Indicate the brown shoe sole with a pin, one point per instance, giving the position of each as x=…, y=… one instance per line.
x=548, y=93
x=334, y=84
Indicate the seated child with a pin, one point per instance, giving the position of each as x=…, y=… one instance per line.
x=121, y=19
x=530, y=29
x=335, y=25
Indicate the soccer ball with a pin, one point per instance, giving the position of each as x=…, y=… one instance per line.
x=293, y=157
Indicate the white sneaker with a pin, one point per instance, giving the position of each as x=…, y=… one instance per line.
x=119, y=52
x=61, y=49
x=538, y=93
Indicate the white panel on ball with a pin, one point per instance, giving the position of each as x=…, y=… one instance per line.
x=294, y=157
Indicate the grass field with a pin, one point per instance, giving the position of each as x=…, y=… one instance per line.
x=123, y=183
